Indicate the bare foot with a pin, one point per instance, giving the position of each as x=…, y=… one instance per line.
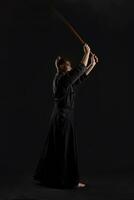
x=81, y=185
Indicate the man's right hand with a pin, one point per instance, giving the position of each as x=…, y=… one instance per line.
x=86, y=48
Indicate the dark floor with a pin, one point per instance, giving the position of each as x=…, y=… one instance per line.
x=116, y=186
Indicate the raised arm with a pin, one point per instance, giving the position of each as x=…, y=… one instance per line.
x=94, y=61
x=84, y=76
x=71, y=76
x=86, y=55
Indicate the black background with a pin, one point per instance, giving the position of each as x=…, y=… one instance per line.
x=32, y=37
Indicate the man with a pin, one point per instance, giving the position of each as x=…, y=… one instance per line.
x=58, y=164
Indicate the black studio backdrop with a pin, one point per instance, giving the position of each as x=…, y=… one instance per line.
x=32, y=37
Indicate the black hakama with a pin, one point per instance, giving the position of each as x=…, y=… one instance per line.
x=58, y=163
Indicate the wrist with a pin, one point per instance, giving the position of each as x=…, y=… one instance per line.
x=87, y=52
x=82, y=63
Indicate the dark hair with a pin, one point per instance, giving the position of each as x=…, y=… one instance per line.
x=60, y=61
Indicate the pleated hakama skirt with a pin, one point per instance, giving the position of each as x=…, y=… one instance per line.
x=58, y=163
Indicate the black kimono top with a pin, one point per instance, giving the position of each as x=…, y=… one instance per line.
x=65, y=84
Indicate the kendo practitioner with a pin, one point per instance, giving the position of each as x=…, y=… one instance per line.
x=58, y=163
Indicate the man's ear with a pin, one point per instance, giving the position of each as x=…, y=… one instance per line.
x=61, y=67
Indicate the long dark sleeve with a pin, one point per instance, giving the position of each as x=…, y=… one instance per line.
x=82, y=78
x=72, y=76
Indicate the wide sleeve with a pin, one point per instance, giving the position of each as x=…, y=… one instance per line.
x=82, y=78
x=72, y=76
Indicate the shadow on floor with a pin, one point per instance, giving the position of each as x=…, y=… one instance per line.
x=100, y=187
